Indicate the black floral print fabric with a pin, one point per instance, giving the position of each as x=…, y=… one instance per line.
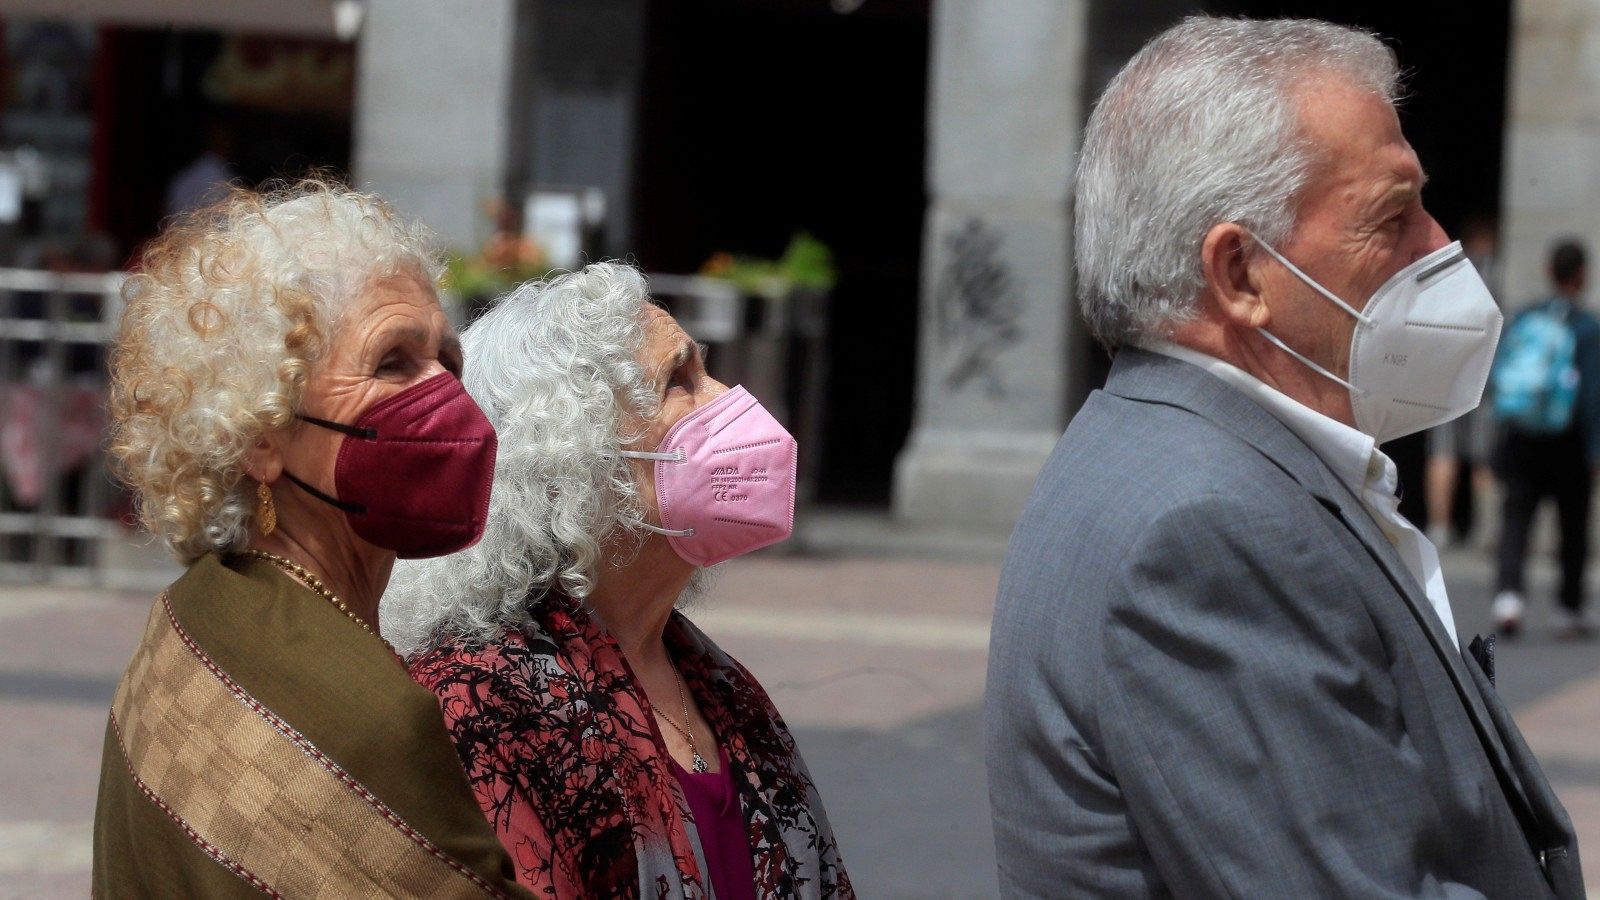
x=566, y=760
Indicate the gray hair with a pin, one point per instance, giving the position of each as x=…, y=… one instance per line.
x=1201, y=127
x=555, y=367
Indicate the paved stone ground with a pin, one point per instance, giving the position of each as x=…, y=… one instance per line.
x=877, y=662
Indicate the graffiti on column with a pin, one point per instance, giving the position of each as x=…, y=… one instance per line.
x=978, y=307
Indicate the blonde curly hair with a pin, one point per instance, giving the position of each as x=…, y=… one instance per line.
x=231, y=309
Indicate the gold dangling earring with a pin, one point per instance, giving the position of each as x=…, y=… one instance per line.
x=266, y=513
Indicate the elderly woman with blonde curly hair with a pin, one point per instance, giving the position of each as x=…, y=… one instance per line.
x=287, y=408
x=616, y=749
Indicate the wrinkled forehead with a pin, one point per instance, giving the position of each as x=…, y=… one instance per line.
x=660, y=328
x=406, y=292
x=1358, y=146
x=1348, y=122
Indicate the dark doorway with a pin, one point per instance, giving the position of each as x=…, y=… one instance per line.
x=760, y=118
x=272, y=107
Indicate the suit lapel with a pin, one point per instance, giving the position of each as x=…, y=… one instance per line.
x=1150, y=377
x=1355, y=516
x=1455, y=662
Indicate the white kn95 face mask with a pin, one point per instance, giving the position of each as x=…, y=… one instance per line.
x=1422, y=347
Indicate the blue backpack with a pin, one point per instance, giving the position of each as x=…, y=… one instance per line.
x=1535, y=379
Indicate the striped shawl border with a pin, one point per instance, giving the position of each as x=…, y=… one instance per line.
x=305, y=746
x=206, y=847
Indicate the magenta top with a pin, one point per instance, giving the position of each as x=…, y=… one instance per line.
x=719, y=820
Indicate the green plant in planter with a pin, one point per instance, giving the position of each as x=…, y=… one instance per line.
x=507, y=260
x=806, y=264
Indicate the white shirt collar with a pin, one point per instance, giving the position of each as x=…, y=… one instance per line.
x=1352, y=455
x=1355, y=460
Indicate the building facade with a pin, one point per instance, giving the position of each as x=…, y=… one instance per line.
x=928, y=143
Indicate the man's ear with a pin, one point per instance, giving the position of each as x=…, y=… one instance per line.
x=262, y=461
x=1233, y=283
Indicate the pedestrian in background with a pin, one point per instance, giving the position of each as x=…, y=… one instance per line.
x=204, y=180
x=1546, y=387
x=1222, y=663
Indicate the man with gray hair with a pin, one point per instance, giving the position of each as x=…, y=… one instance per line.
x=1223, y=664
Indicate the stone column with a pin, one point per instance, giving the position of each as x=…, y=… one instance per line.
x=1551, y=186
x=998, y=320
x=1552, y=163
x=432, y=88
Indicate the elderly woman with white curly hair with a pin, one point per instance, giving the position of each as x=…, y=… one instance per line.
x=615, y=748
x=287, y=408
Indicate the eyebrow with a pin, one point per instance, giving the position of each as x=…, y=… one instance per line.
x=1403, y=190
x=413, y=334
x=409, y=333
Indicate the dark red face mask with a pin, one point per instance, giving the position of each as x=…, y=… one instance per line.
x=414, y=472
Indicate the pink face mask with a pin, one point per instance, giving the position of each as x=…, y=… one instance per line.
x=724, y=480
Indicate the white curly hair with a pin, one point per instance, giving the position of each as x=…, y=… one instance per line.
x=232, y=308
x=555, y=366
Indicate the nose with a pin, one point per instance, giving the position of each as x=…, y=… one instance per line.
x=1432, y=237
x=431, y=369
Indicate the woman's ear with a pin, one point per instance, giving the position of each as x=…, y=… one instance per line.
x=1232, y=279
x=263, y=462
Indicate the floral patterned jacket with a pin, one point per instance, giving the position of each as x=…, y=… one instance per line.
x=565, y=758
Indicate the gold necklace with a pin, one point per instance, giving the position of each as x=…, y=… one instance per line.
x=697, y=762
x=299, y=573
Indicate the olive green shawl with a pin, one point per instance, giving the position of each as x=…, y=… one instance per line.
x=261, y=743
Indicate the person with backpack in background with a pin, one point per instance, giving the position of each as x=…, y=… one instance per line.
x=1546, y=387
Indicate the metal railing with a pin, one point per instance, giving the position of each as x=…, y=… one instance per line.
x=55, y=495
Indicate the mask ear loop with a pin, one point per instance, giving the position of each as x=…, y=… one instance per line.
x=668, y=532
x=1313, y=366
x=674, y=456
x=369, y=434
x=1312, y=282
x=335, y=502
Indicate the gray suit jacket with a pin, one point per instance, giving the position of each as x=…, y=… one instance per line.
x=1212, y=676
